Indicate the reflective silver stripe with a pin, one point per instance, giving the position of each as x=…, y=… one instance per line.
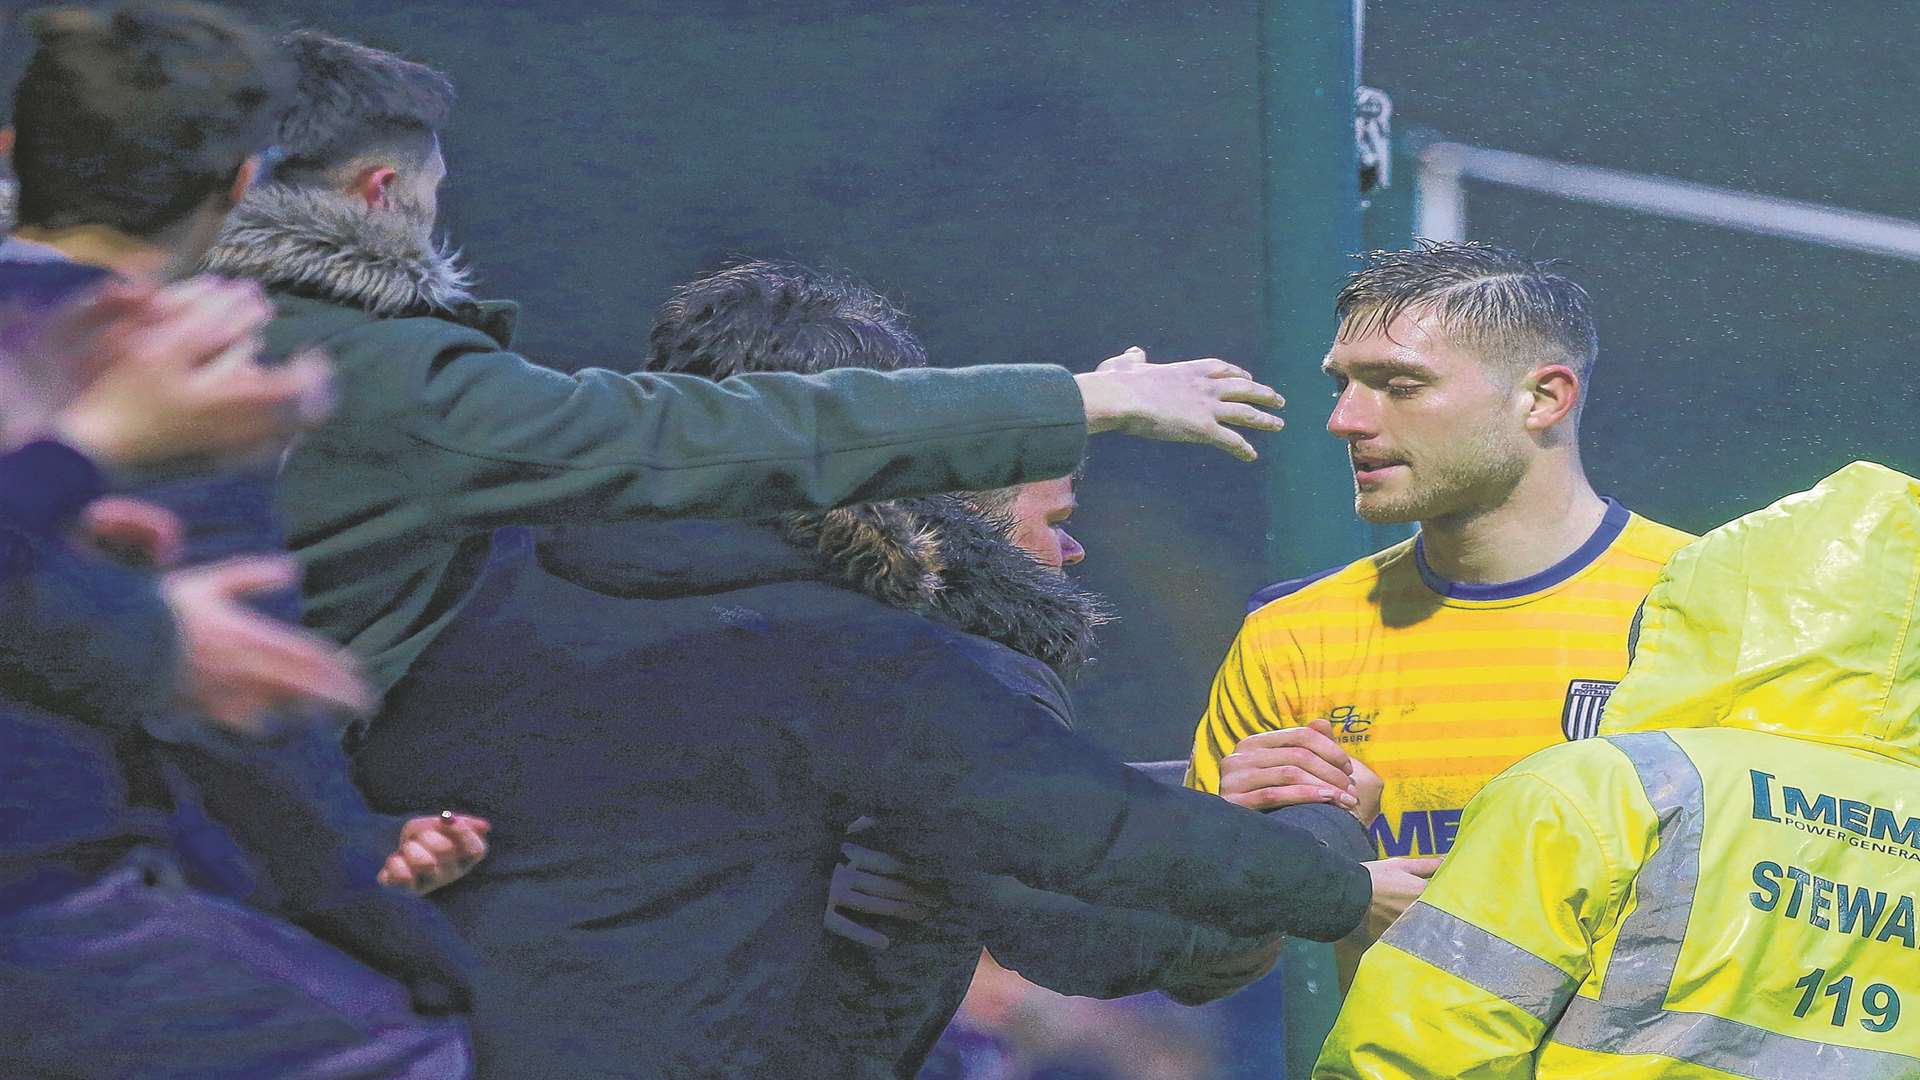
x=1718, y=1043
x=1648, y=947
x=1491, y=963
x=1631, y=1016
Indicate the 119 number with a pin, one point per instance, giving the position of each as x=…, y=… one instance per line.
x=1879, y=1002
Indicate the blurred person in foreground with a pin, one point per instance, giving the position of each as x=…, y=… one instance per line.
x=121, y=950
x=443, y=433
x=134, y=132
x=1461, y=372
x=1723, y=883
x=747, y=692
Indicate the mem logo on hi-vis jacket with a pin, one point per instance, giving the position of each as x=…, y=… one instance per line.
x=1436, y=685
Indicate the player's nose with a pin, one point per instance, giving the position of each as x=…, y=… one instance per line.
x=1351, y=419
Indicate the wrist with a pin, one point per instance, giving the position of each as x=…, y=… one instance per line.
x=92, y=436
x=1105, y=400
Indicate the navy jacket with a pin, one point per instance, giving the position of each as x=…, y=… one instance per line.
x=275, y=823
x=86, y=651
x=671, y=769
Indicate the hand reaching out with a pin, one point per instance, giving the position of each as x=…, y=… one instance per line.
x=134, y=532
x=1193, y=401
x=1397, y=883
x=158, y=374
x=436, y=851
x=1368, y=789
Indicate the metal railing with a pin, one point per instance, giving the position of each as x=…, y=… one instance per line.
x=1440, y=201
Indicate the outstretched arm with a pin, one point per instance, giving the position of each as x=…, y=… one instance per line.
x=493, y=439
x=983, y=778
x=1074, y=947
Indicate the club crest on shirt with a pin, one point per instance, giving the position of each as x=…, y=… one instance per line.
x=1586, y=701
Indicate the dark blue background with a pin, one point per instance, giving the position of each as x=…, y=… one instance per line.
x=1058, y=181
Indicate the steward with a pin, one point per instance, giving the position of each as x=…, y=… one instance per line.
x=1722, y=884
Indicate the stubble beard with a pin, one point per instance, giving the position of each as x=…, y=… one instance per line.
x=412, y=218
x=1480, y=476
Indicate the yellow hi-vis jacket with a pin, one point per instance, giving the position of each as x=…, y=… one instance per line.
x=1723, y=884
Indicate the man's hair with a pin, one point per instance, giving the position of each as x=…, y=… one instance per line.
x=133, y=118
x=353, y=101
x=774, y=316
x=1504, y=307
x=779, y=316
x=997, y=503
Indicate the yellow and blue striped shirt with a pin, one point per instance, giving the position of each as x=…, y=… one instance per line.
x=1438, y=686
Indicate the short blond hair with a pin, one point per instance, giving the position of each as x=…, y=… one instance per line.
x=1500, y=305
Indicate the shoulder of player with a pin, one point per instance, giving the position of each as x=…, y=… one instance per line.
x=1338, y=583
x=1648, y=540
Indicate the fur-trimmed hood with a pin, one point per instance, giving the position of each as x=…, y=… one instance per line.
x=943, y=559
x=322, y=244
x=935, y=556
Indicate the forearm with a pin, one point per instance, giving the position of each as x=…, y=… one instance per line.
x=1245, y=874
x=1332, y=826
x=1093, y=950
x=1051, y=810
x=1231, y=965
x=514, y=444
x=290, y=802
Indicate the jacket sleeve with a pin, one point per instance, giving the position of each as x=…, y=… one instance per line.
x=1467, y=982
x=81, y=637
x=292, y=805
x=989, y=781
x=44, y=485
x=1332, y=826
x=1074, y=947
x=492, y=439
x=1086, y=949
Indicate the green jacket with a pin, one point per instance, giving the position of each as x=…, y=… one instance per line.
x=442, y=434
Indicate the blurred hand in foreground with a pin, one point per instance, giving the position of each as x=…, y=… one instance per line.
x=138, y=375
x=241, y=668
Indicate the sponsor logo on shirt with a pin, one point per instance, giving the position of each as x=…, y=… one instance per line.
x=1586, y=701
x=1421, y=832
x=1349, y=724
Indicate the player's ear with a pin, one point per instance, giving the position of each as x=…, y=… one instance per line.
x=1553, y=396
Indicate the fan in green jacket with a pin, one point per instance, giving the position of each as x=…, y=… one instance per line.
x=442, y=433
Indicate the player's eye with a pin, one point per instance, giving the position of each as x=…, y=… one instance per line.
x=1402, y=388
